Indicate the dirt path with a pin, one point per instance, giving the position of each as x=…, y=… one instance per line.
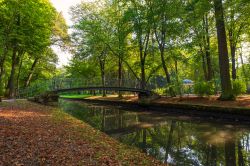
x=31, y=134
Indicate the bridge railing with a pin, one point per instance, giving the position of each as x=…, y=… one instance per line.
x=67, y=83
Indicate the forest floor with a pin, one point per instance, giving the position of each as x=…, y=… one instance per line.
x=33, y=134
x=240, y=102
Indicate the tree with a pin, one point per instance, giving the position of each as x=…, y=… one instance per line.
x=26, y=30
x=237, y=22
x=226, y=85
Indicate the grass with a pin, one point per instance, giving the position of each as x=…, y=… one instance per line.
x=75, y=96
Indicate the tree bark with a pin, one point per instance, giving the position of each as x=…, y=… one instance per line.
x=243, y=68
x=143, y=55
x=2, y=61
x=31, y=72
x=11, y=82
x=18, y=75
x=207, y=49
x=120, y=75
x=102, y=62
x=204, y=65
x=233, y=52
x=223, y=53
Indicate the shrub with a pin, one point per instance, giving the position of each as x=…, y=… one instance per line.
x=204, y=88
x=239, y=87
x=160, y=91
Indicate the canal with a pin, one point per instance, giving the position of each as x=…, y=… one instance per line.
x=172, y=139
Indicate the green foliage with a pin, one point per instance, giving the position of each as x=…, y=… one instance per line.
x=74, y=96
x=204, y=88
x=239, y=87
x=160, y=91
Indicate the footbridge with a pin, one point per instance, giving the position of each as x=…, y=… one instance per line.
x=52, y=88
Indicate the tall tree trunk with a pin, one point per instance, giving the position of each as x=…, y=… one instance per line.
x=207, y=49
x=143, y=54
x=204, y=66
x=11, y=82
x=31, y=72
x=223, y=53
x=2, y=61
x=18, y=75
x=233, y=53
x=120, y=75
x=165, y=68
x=143, y=75
x=102, y=69
x=103, y=80
x=243, y=68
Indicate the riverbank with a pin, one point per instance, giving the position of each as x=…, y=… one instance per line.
x=234, y=110
x=33, y=134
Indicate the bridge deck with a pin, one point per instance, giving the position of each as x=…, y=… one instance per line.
x=142, y=91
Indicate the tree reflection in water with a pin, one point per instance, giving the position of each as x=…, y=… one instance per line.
x=171, y=139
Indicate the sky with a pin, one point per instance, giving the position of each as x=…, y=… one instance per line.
x=64, y=6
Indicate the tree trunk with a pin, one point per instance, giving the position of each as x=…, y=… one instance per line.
x=171, y=90
x=207, y=50
x=102, y=68
x=143, y=75
x=243, y=69
x=18, y=75
x=103, y=82
x=2, y=60
x=233, y=52
x=143, y=55
x=223, y=53
x=120, y=75
x=31, y=72
x=11, y=82
x=204, y=66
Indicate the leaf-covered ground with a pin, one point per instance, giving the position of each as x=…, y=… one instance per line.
x=32, y=134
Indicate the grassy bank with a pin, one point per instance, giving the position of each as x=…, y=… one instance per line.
x=32, y=134
x=74, y=96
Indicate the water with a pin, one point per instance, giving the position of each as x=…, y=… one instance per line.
x=176, y=140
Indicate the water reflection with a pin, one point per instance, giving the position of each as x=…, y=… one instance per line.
x=173, y=140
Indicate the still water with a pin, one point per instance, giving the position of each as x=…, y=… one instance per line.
x=176, y=140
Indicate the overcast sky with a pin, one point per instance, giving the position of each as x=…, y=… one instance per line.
x=64, y=6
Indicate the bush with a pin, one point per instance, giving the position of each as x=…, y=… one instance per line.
x=160, y=91
x=239, y=87
x=204, y=88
